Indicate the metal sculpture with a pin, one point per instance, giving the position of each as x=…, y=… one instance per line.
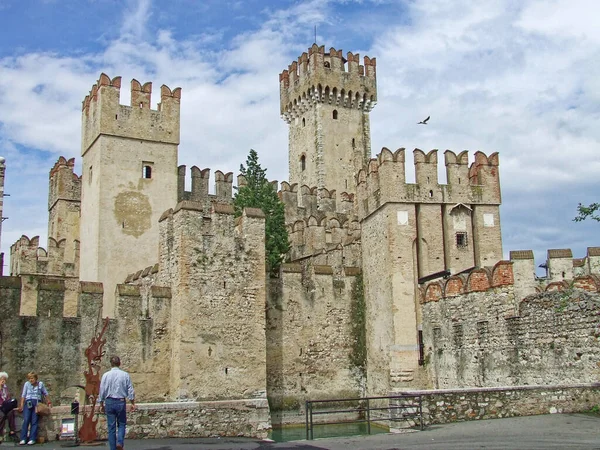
x=94, y=354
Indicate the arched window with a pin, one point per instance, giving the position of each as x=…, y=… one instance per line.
x=327, y=65
x=303, y=122
x=147, y=169
x=335, y=114
x=303, y=163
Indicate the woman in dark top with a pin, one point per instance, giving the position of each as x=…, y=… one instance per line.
x=6, y=411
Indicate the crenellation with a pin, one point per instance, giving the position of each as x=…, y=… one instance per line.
x=484, y=172
x=289, y=196
x=457, y=170
x=313, y=237
x=200, y=181
x=327, y=201
x=141, y=96
x=477, y=280
x=224, y=186
x=327, y=77
x=346, y=204
x=519, y=272
x=593, y=260
x=426, y=173
x=560, y=264
x=64, y=183
x=308, y=199
x=102, y=113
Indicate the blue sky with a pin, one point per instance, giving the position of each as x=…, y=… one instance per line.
x=515, y=77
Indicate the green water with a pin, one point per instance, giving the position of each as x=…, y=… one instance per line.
x=297, y=433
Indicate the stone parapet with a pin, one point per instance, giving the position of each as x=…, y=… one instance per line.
x=232, y=418
x=61, y=258
x=453, y=405
x=383, y=180
x=102, y=113
x=330, y=78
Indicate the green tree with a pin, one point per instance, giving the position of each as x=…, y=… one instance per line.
x=259, y=193
x=588, y=212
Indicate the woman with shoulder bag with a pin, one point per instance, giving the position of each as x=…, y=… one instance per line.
x=7, y=408
x=33, y=393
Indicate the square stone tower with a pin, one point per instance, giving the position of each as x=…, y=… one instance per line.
x=326, y=99
x=129, y=178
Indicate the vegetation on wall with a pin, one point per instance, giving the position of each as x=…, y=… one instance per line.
x=259, y=193
x=588, y=212
x=358, y=316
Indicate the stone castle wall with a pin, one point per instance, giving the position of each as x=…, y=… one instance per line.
x=312, y=311
x=478, y=333
x=214, y=317
x=44, y=340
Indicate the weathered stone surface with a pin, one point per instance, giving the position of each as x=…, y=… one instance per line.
x=451, y=405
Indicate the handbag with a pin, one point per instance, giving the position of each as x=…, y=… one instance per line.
x=9, y=405
x=41, y=409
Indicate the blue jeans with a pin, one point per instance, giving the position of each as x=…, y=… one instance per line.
x=116, y=419
x=29, y=417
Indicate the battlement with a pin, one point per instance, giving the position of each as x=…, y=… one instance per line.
x=311, y=201
x=313, y=237
x=383, y=180
x=64, y=183
x=27, y=257
x=200, y=179
x=102, y=114
x=560, y=264
x=319, y=225
x=327, y=78
x=519, y=273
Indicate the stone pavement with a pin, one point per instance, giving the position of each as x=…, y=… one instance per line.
x=552, y=431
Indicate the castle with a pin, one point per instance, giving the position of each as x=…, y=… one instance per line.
x=388, y=285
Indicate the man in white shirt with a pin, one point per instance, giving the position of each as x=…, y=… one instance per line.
x=115, y=389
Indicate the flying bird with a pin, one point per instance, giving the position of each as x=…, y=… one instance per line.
x=424, y=122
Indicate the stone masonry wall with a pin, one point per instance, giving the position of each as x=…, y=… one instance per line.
x=248, y=418
x=217, y=319
x=46, y=342
x=452, y=405
x=487, y=338
x=310, y=337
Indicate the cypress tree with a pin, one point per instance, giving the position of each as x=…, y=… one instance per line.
x=259, y=193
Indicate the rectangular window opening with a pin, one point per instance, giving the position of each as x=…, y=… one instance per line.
x=461, y=239
x=147, y=167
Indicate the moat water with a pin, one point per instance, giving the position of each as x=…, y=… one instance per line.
x=298, y=432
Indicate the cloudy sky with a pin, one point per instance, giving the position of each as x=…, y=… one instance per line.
x=518, y=77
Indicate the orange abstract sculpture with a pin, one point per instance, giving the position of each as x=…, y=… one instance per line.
x=94, y=354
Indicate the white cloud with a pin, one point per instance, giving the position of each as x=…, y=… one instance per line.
x=496, y=76
x=519, y=78
x=135, y=18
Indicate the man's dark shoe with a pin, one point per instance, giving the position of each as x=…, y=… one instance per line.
x=119, y=447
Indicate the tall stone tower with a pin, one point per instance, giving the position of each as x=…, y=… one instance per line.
x=129, y=178
x=64, y=207
x=326, y=99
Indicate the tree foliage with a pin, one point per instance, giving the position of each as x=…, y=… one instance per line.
x=588, y=212
x=259, y=193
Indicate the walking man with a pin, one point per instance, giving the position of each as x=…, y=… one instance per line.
x=115, y=389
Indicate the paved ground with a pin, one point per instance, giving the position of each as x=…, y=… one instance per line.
x=556, y=431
